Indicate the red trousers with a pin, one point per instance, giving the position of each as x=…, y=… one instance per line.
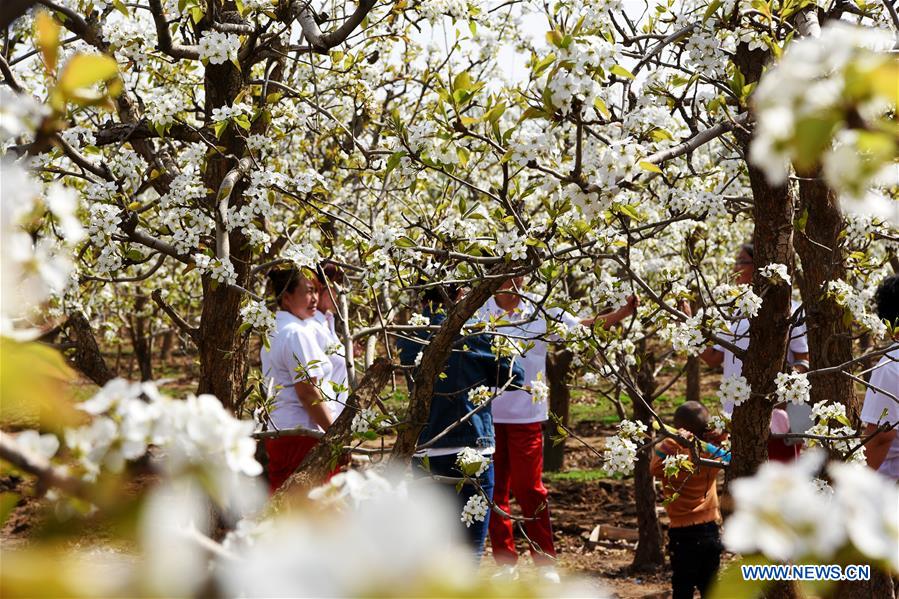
x=518, y=464
x=284, y=456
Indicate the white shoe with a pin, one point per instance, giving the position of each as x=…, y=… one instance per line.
x=506, y=572
x=549, y=574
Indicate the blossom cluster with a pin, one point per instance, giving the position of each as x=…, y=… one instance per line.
x=363, y=421
x=817, y=79
x=776, y=273
x=219, y=270
x=734, y=389
x=780, y=513
x=472, y=463
x=832, y=424
x=257, y=315
x=793, y=387
x=539, y=391
x=621, y=450
x=480, y=395
x=217, y=47
x=686, y=336
x=130, y=417
x=856, y=304
x=475, y=510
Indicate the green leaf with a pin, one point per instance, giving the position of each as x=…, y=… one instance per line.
x=622, y=72
x=713, y=6
x=494, y=114
x=220, y=127
x=394, y=160
x=34, y=382
x=600, y=105
x=554, y=37
x=462, y=81
x=243, y=121
x=84, y=71
x=648, y=166
x=46, y=33
x=543, y=64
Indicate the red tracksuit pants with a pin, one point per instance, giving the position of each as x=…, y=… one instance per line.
x=285, y=454
x=518, y=464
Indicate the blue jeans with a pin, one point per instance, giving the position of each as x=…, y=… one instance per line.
x=446, y=466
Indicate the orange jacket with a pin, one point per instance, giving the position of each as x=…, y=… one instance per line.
x=697, y=495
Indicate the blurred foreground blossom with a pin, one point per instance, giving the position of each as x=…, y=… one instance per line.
x=781, y=513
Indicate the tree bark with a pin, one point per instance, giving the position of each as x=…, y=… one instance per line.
x=769, y=330
x=694, y=380
x=558, y=364
x=141, y=338
x=87, y=357
x=649, y=555
x=819, y=250
x=222, y=350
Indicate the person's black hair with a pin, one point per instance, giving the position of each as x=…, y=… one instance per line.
x=887, y=299
x=283, y=281
x=328, y=271
x=749, y=249
x=692, y=416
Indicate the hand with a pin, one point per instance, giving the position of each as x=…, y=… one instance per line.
x=684, y=306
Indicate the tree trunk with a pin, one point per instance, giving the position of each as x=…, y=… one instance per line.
x=87, y=357
x=768, y=331
x=649, y=555
x=168, y=341
x=141, y=338
x=694, y=380
x=558, y=364
x=819, y=250
x=222, y=350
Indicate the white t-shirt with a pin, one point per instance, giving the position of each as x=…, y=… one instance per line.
x=517, y=406
x=739, y=336
x=333, y=347
x=293, y=343
x=886, y=377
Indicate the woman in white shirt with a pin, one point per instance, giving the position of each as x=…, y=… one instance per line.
x=335, y=386
x=294, y=366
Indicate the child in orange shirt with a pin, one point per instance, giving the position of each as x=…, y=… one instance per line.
x=694, y=542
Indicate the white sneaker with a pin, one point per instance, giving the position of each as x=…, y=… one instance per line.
x=507, y=572
x=549, y=574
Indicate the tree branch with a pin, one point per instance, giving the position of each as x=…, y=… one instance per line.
x=192, y=332
x=164, y=37
x=320, y=42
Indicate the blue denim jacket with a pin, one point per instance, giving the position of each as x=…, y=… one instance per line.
x=465, y=369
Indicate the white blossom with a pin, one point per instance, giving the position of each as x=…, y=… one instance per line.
x=480, y=395
x=217, y=47
x=259, y=317
x=793, y=387
x=734, y=389
x=471, y=462
x=475, y=510
x=776, y=273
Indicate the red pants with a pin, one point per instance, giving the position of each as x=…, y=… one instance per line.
x=284, y=456
x=518, y=466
